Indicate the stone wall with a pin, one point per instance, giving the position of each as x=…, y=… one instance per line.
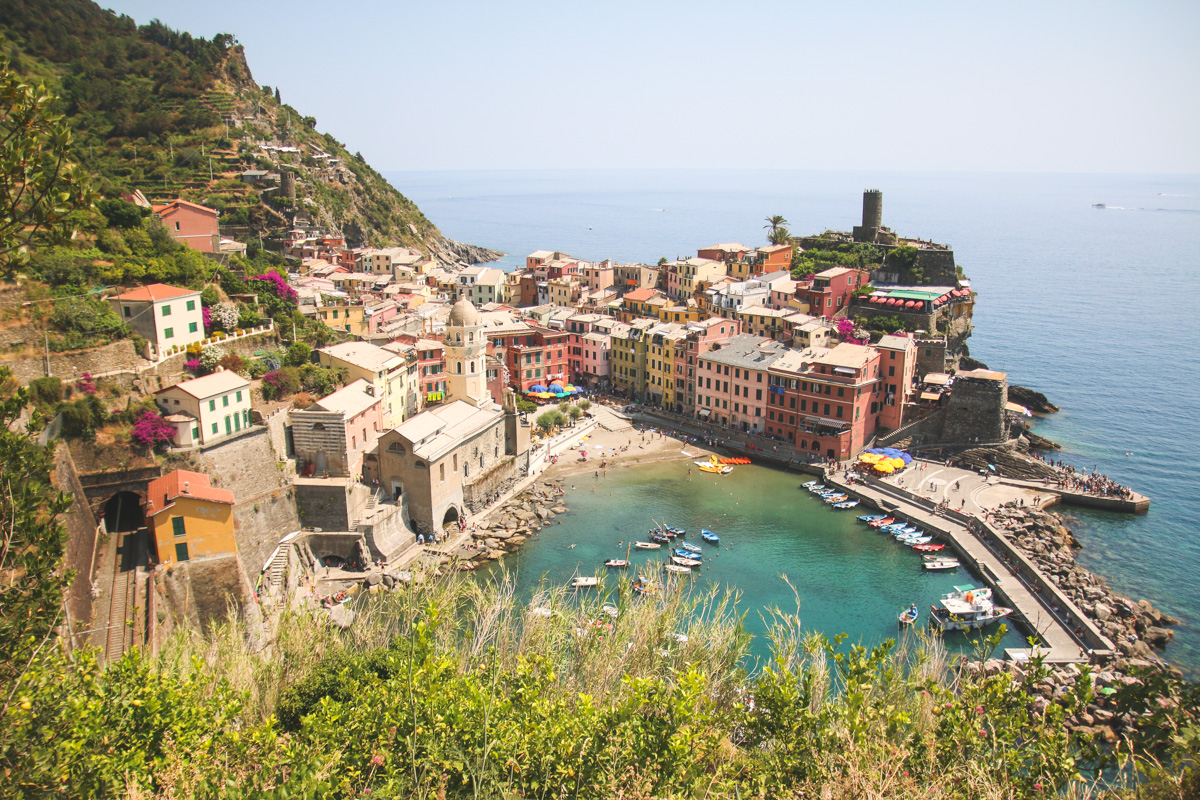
x=931, y=357
x=497, y=480
x=81, y=540
x=320, y=440
x=201, y=593
x=324, y=505
x=97, y=360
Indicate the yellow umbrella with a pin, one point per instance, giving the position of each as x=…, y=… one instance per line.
x=886, y=469
x=546, y=395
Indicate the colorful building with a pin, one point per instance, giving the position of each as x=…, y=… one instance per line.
x=538, y=357
x=167, y=316
x=388, y=372
x=333, y=434
x=189, y=518
x=206, y=410
x=732, y=385
x=832, y=289
x=191, y=224
x=898, y=359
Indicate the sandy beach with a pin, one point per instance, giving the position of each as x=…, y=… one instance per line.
x=604, y=449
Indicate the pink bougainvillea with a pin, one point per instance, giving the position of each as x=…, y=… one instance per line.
x=193, y=366
x=208, y=319
x=151, y=429
x=282, y=290
x=86, y=383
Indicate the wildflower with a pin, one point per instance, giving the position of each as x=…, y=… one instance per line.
x=983, y=734
x=978, y=709
x=377, y=760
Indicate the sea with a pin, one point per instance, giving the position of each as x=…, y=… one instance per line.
x=1097, y=307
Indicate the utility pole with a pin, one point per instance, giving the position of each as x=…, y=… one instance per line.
x=47, y=335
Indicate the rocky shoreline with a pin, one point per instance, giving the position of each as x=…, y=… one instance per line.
x=512, y=524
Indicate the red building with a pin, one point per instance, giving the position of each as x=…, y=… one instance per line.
x=826, y=402
x=536, y=357
x=191, y=224
x=897, y=365
x=831, y=290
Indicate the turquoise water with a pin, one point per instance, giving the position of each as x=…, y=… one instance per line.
x=1095, y=307
x=849, y=578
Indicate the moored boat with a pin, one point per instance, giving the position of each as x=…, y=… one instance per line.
x=909, y=615
x=871, y=517
x=879, y=523
x=661, y=538
x=808, y=485
x=966, y=608
x=846, y=504
x=647, y=545
x=676, y=568
x=929, y=548
x=616, y=563
x=585, y=582
x=835, y=498
x=709, y=536
x=694, y=548
x=918, y=540
x=942, y=565
x=685, y=562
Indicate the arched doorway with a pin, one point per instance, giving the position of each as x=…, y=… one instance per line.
x=451, y=518
x=123, y=512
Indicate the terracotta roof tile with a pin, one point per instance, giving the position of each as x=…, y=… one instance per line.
x=156, y=291
x=161, y=492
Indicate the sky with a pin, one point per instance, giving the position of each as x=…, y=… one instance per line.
x=1095, y=87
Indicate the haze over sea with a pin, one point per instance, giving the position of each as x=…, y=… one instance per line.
x=1098, y=308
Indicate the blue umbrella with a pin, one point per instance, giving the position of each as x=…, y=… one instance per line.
x=537, y=387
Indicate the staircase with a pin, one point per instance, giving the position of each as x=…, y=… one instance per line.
x=609, y=420
x=118, y=610
x=278, y=568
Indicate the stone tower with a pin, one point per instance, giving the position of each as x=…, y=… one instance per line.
x=872, y=217
x=466, y=375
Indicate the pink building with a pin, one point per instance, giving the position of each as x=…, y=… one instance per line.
x=733, y=383
x=191, y=224
x=332, y=435
x=898, y=361
x=597, y=276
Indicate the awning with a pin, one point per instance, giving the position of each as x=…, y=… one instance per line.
x=704, y=412
x=843, y=370
x=930, y=396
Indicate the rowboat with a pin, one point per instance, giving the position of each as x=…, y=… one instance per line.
x=835, y=498
x=909, y=615
x=808, y=485
x=918, y=540
x=879, y=523
x=942, y=564
x=679, y=551
x=966, y=608
x=817, y=488
x=871, y=517
x=661, y=538
x=671, y=529
x=676, y=568
x=685, y=562
x=709, y=536
x=847, y=504
x=616, y=563
x=647, y=545
x=695, y=548
x=929, y=548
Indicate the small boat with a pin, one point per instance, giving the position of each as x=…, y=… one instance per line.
x=909, y=615
x=933, y=557
x=611, y=611
x=816, y=488
x=686, y=562
x=835, y=498
x=846, y=504
x=879, y=523
x=646, y=586
x=671, y=529
x=694, y=548
x=676, y=568
x=929, y=548
x=942, y=564
x=616, y=563
x=918, y=540
x=540, y=611
x=709, y=536
x=661, y=538
x=647, y=545
x=871, y=517
x=713, y=465
x=966, y=608
x=679, y=551
x=808, y=485
x=585, y=582
x=1099, y=205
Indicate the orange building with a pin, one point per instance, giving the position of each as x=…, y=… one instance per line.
x=189, y=518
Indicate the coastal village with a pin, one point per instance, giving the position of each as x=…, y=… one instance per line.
x=460, y=387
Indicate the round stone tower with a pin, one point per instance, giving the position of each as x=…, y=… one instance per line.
x=872, y=209
x=287, y=183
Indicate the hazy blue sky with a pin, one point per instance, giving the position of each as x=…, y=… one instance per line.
x=459, y=84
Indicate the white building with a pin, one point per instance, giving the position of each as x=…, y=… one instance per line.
x=164, y=315
x=206, y=410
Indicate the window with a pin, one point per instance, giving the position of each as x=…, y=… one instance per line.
x=228, y=425
x=239, y=395
x=212, y=405
x=181, y=553
x=169, y=333
x=442, y=473
x=191, y=305
x=225, y=401
x=826, y=409
x=216, y=429
x=128, y=311
x=841, y=392
x=166, y=311
x=177, y=526
x=195, y=433
x=192, y=327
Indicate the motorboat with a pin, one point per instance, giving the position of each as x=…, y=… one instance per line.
x=693, y=548
x=909, y=615
x=879, y=523
x=679, y=551
x=929, y=548
x=686, y=562
x=709, y=536
x=871, y=517
x=661, y=538
x=676, y=568
x=616, y=563
x=918, y=540
x=671, y=529
x=585, y=582
x=808, y=485
x=647, y=545
x=967, y=608
x=846, y=504
x=942, y=565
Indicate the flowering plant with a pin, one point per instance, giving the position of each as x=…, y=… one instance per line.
x=151, y=429
x=279, y=285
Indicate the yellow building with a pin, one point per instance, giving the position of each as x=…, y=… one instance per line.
x=628, y=349
x=682, y=313
x=343, y=316
x=661, y=341
x=189, y=518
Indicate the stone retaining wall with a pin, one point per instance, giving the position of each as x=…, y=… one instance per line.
x=108, y=358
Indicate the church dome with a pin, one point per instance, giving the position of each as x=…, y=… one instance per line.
x=463, y=314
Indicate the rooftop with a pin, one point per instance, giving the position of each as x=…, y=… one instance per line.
x=219, y=382
x=748, y=351
x=893, y=342
x=161, y=492
x=351, y=400
x=155, y=292
x=434, y=432
x=362, y=355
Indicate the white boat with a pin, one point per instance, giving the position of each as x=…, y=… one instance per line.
x=686, y=562
x=691, y=548
x=846, y=504
x=616, y=563
x=585, y=582
x=611, y=611
x=835, y=498
x=916, y=540
x=647, y=545
x=676, y=568
x=808, y=485
x=966, y=608
x=942, y=564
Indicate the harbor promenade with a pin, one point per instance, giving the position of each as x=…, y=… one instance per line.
x=1065, y=634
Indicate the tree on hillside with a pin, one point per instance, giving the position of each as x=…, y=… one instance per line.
x=39, y=186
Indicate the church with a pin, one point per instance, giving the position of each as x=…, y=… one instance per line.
x=449, y=461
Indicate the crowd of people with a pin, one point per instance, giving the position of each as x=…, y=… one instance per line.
x=1088, y=482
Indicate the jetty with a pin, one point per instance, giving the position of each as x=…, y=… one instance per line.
x=1065, y=633
x=1134, y=504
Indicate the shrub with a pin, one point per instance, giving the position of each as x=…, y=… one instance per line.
x=298, y=354
x=46, y=391
x=225, y=316
x=85, y=383
x=279, y=384
x=152, y=430
x=233, y=362
x=210, y=357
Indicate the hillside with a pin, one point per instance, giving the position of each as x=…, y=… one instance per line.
x=159, y=111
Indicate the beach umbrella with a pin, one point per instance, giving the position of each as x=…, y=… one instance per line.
x=545, y=395
x=555, y=387
x=537, y=387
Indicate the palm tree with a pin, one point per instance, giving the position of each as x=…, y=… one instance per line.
x=780, y=235
x=774, y=223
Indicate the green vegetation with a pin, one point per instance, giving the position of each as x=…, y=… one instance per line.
x=879, y=324
x=821, y=254
x=777, y=232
